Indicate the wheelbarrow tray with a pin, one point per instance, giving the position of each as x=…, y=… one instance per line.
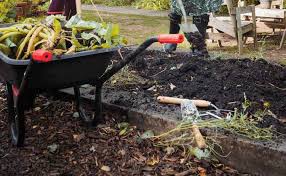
x=62, y=72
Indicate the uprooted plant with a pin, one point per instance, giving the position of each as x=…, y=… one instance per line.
x=238, y=122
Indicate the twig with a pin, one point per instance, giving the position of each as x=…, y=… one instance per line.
x=187, y=172
x=159, y=72
x=3, y=110
x=277, y=87
x=4, y=156
x=120, y=54
x=96, y=10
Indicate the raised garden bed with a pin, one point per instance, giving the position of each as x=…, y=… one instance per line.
x=226, y=83
x=133, y=92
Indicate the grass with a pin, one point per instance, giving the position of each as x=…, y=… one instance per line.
x=283, y=62
x=136, y=28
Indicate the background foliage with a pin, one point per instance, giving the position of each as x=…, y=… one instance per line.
x=8, y=12
x=5, y=12
x=155, y=4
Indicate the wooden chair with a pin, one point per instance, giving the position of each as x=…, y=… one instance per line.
x=233, y=26
x=279, y=23
x=277, y=4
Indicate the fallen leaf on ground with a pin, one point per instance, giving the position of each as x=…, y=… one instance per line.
x=170, y=150
x=105, y=168
x=92, y=149
x=168, y=171
x=153, y=160
x=200, y=153
x=75, y=115
x=172, y=86
x=147, y=168
x=78, y=138
x=122, y=152
x=187, y=172
x=37, y=109
x=153, y=88
x=147, y=134
x=229, y=170
x=140, y=157
x=53, y=148
x=202, y=171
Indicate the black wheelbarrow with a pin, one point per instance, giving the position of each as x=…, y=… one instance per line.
x=43, y=72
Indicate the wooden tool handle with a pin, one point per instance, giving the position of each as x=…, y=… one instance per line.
x=200, y=141
x=172, y=100
x=78, y=7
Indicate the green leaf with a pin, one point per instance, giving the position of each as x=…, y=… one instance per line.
x=57, y=27
x=89, y=36
x=198, y=153
x=115, y=30
x=5, y=49
x=9, y=43
x=108, y=34
x=147, y=134
x=74, y=40
x=123, y=131
x=105, y=45
x=123, y=125
x=77, y=22
x=49, y=21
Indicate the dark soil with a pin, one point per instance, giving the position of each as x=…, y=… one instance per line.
x=225, y=83
x=83, y=151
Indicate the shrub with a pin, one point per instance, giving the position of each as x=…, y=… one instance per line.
x=153, y=4
x=6, y=13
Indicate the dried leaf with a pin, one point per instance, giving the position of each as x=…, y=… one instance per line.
x=282, y=120
x=170, y=150
x=168, y=171
x=76, y=115
x=153, y=160
x=92, y=149
x=122, y=152
x=147, y=168
x=153, y=88
x=105, y=168
x=229, y=170
x=37, y=109
x=78, y=138
x=202, y=171
x=140, y=157
x=172, y=86
x=187, y=172
x=53, y=148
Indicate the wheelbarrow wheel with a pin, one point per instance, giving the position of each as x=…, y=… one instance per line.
x=16, y=119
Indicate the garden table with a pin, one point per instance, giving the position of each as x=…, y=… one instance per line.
x=274, y=18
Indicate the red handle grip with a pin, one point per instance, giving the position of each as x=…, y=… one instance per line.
x=171, y=38
x=42, y=55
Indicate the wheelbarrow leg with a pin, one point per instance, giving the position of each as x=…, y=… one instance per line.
x=16, y=118
x=98, y=106
x=79, y=107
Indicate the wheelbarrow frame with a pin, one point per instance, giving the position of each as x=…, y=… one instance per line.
x=25, y=79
